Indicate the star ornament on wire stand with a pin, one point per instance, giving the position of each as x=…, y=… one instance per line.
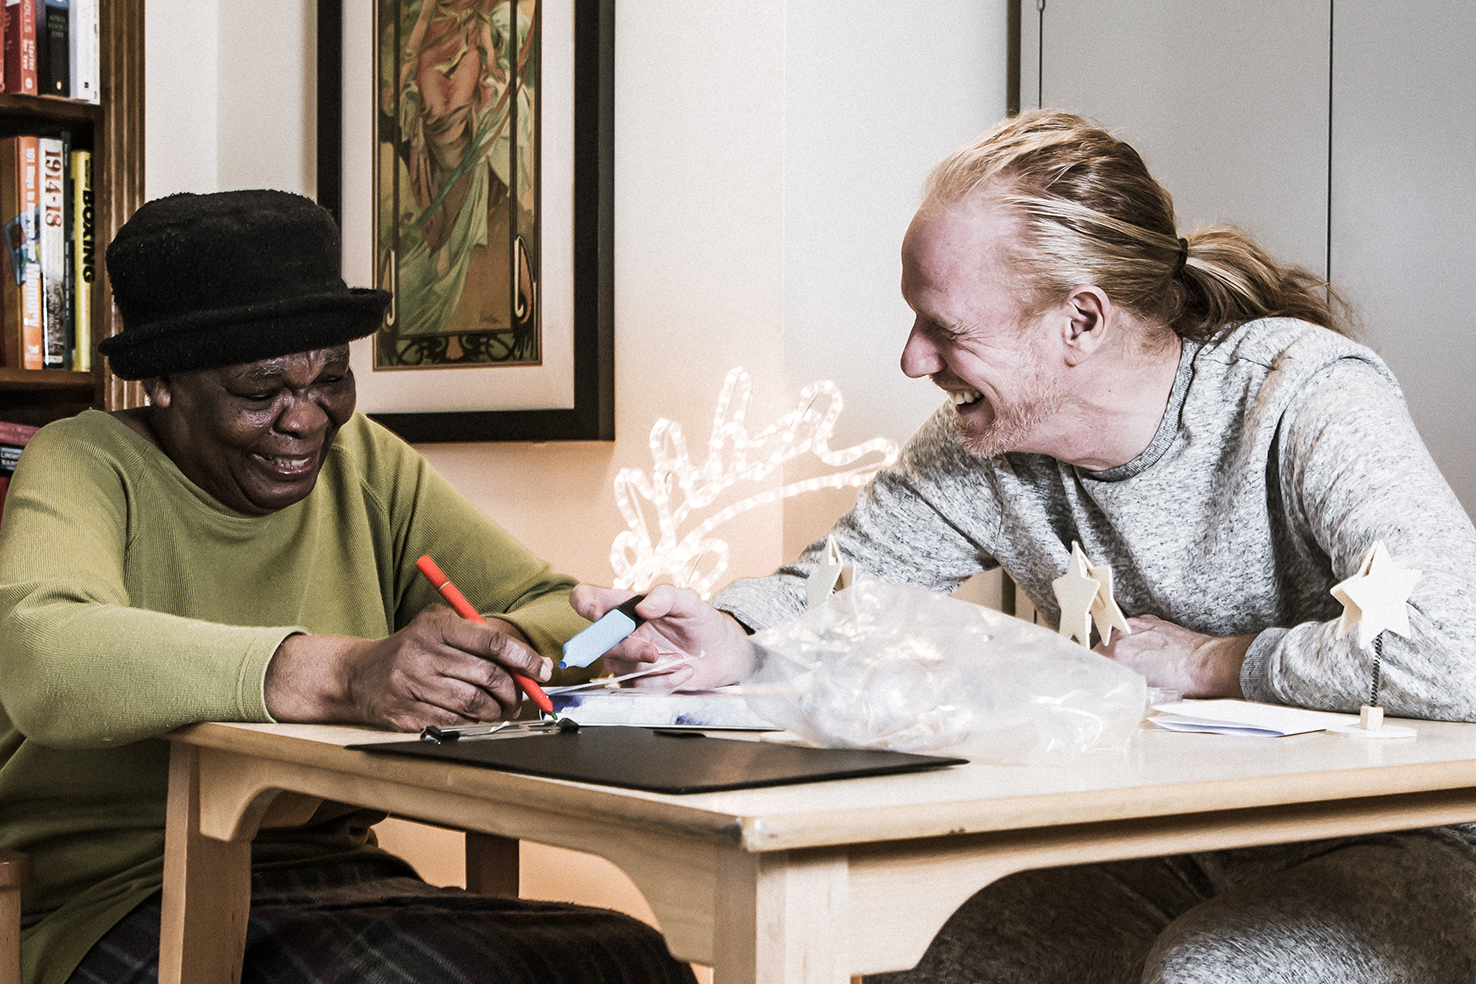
x=1084, y=593
x=1377, y=596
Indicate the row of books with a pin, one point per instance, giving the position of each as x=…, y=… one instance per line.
x=47, y=218
x=50, y=48
x=13, y=438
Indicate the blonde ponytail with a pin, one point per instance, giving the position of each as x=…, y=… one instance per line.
x=1092, y=214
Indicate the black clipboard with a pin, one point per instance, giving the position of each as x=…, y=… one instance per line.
x=664, y=761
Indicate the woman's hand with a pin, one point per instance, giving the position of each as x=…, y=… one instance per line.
x=440, y=669
x=712, y=647
x=1175, y=658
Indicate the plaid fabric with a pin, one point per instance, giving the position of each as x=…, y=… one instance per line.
x=371, y=921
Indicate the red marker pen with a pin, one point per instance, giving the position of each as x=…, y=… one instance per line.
x=458, y=601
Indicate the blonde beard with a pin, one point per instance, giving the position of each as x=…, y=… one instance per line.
x=1012, y=425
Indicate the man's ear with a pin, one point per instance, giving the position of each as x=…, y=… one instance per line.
x=157, y=387
x=1088, y=313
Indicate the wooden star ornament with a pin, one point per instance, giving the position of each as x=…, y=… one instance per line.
x=1084, y=593
x=833, y=575
x=1104, y=609
x=1376, y=597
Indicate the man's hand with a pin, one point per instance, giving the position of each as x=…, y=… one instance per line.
x=440, y=669
x=679, y=625
x=1175, y=658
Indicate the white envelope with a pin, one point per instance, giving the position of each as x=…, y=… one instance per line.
x=1243, y=717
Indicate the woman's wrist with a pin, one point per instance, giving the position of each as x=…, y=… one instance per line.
x=307, y=680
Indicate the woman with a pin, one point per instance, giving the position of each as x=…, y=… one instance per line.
x=243, y=549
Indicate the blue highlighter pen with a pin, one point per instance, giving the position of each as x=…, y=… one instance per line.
x=603, y=635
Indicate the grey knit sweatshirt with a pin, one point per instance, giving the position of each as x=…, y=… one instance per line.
x=1284, y=452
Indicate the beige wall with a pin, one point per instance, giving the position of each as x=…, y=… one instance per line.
x=768, y=157
x=699, y=276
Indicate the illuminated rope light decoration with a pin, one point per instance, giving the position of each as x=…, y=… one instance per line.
x=697, y=560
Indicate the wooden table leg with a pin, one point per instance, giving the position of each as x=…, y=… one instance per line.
x=207, y=887
x=492, y=865
x=782, y=918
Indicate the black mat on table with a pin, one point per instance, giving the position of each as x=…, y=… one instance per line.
x=663, y=761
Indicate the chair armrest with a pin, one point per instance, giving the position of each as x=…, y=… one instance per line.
x=15, y=869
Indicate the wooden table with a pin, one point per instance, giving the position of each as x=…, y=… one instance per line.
x=809, y=883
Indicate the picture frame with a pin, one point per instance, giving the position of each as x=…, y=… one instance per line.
x=570, y=394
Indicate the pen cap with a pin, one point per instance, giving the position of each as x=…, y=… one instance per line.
x=628, y=609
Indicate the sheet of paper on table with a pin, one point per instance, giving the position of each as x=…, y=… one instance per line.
x=1243, y=717
x=711, y=709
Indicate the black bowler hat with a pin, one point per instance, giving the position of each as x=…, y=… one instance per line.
x=213, y=280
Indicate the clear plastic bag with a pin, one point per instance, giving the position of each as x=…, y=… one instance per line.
x=891, y=666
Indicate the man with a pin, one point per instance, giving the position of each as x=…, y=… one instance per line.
x=1190, y=412
x=243, y=548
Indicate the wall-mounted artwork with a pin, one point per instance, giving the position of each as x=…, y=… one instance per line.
x=457, y=182
x=490, y=188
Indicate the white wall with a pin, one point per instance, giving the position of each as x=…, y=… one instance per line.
x=181, y=84
x=229, y=96
x=267, y=100
x=872, y=101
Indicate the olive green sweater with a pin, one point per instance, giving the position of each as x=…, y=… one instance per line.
x=132, y=602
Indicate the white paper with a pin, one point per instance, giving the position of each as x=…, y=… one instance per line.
x=654, y=669
x=709, y=709
x=1243, y=717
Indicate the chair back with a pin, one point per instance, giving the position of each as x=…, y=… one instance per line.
x=15, y=871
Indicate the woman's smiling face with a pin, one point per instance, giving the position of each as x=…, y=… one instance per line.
x=255, y=435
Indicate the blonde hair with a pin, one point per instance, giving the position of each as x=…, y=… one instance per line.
x=1090, y=213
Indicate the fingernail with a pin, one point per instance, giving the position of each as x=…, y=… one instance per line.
x=545, y=671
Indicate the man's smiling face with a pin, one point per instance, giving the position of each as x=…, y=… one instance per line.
x=972, y=334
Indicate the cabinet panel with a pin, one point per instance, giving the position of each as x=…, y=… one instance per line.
x=1404, y=207
x=1343, y=138
x=1228, y=103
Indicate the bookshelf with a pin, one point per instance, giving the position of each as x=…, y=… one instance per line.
x=113, y=130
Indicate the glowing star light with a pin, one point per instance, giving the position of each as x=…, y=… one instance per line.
x=1377, y=596
x=677, y=486
x=1084, y=593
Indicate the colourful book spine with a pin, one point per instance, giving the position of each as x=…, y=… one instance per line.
x=84, y=53
x=25, y=252
x=20, y=282
x=16, y=435
x=20, y=46
x=14, y=252
x=84, y=267
x=53, y=48
x=13, y=438
x=53, y=252
x=33, y=325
